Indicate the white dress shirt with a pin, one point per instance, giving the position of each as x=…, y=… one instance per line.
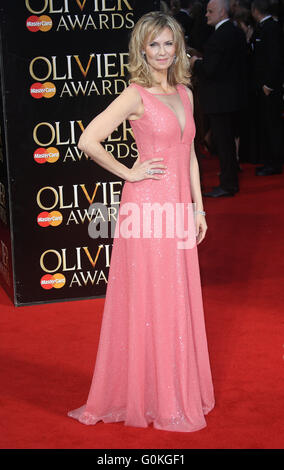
x=221, y=22
x=266, y=17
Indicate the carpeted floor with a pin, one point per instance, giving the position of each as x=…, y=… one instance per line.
x=48, y=351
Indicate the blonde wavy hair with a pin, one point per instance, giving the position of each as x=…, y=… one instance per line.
x=147, y=28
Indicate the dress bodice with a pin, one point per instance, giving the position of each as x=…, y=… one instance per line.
x=159, y=128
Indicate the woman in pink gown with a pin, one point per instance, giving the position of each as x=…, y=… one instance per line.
x=152, y=364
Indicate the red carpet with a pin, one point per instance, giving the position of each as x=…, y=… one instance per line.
x=48, y=351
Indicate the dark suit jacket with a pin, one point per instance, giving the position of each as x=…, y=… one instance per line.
x=185, y=21
x=222, y=74
x=267, y=55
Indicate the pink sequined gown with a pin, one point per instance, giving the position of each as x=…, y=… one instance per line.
x=152, y=363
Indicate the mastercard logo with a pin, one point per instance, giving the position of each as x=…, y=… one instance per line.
x=49, y=155
x=45, y=219
x=39, y=23
x=43, y=90
x=48, y=281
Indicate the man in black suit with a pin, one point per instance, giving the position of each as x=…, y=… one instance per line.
x=223, y=90
x=267, y=79
x=184, y=18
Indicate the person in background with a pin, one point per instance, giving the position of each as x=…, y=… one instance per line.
x=246, y=148
x=200, y=30
x=164, y=7
x=244, y=20
x=184, y=18
x=175, y=7
x=239, y=6
x=267, y=82
x=223, y=90
x=240, y=13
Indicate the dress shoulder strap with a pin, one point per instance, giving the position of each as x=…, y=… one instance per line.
x=183, y=91
x=182, y=88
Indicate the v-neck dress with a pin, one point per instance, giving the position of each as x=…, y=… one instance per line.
x=152, y=364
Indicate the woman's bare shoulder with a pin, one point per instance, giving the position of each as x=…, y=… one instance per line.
x=127, y=102
x=131, y=92
x=132, y=95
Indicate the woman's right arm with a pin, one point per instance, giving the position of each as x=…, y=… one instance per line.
x=128, y=105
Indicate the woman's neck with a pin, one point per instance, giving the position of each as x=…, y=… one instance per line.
x=160, y=81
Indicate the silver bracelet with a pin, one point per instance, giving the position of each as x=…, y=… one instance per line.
x=201, y=212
